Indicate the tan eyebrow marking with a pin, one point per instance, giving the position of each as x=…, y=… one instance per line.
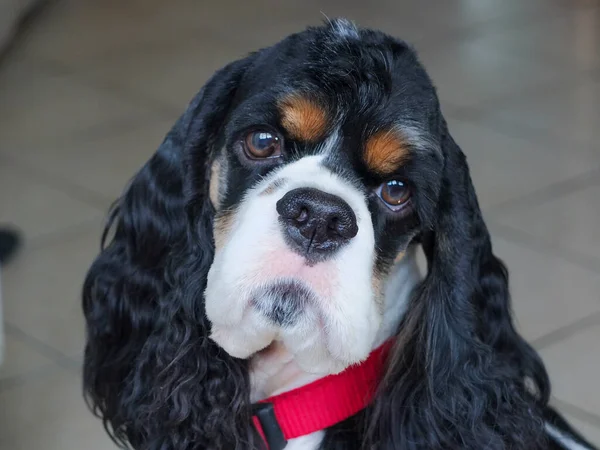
x=303, y=117
x=385, y=151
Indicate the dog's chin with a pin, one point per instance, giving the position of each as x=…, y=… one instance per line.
x=290, y=311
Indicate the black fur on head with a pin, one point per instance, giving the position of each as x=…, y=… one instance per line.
x=459, y=377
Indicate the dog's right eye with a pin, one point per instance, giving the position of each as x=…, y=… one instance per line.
x=395, y=194
x=262, y=144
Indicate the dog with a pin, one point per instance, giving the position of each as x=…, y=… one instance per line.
x=264, y=261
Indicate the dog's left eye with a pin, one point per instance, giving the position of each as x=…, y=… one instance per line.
x=262, y=144
x=395, y=194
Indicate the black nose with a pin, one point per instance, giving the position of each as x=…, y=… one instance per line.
x=316, y=223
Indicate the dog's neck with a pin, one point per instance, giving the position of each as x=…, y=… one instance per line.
x=274, y=370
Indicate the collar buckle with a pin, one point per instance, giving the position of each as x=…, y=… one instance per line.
x=271, y=431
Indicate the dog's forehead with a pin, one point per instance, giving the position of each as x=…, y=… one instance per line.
x=364, y=87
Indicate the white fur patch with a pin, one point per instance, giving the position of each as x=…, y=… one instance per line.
x=345, y=28
x=398, y=288
x=336, y=330
x=309, y=442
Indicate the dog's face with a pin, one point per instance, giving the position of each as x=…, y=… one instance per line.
x=321, y=181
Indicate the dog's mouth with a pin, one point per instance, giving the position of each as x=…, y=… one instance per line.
x=289, y=272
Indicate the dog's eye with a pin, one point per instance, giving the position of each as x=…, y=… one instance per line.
x=262, y=144
x=395, y=194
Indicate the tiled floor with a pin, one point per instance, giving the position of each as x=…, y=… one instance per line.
x=91, y=88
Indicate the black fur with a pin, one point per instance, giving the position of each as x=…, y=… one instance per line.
x=456, y=377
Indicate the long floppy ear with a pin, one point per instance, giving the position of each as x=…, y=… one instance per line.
x=150, y=370
x=457, y=376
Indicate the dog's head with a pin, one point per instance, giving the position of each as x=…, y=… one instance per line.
x=323, y=171
x=276, y=209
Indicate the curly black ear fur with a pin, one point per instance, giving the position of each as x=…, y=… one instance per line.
x=457, y=377
x=150, y=370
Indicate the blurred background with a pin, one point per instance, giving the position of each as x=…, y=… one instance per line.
x=89, y=88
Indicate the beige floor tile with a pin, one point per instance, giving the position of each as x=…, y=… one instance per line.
x=42, y=290
x=570, y=40
x=105, y=165
x=245, y=22
x=38, y=106
x=106, y=28
x=49, y=413
x=571, y=221
x=571, y=113
x=173, y=74
x=36, y=208
x=469, y=75
x=574, y=368
x=505, y=167
x=111, y=28
x=380, y=16
x=20, y=358
x=547, y=292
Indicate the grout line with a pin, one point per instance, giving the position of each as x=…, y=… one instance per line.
x=566, y=331
x=23, y=25
x=49, y=239
x=32, y=375
x=479, y=114
x=93, y=134
x=76, y=192
x=547, y=193
x=502, y=124
x=107, y=129
x=479, y=111
x=587, y=262
x=137, y=98
x=41, y=347
x=577, y=412
x=160, y=109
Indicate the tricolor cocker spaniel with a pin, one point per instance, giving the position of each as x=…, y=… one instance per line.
x=258, y=288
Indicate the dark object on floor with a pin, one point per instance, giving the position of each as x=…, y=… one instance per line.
x=9, y=243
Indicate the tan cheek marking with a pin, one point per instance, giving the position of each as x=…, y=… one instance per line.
x=271, y=188
x=213, y=186
x=303, y=118
x=377, y=284
x=399, y=257
x=377, y=281
x=222, y=228
x=385, y=151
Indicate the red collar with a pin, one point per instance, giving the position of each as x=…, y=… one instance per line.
x=320, y=404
